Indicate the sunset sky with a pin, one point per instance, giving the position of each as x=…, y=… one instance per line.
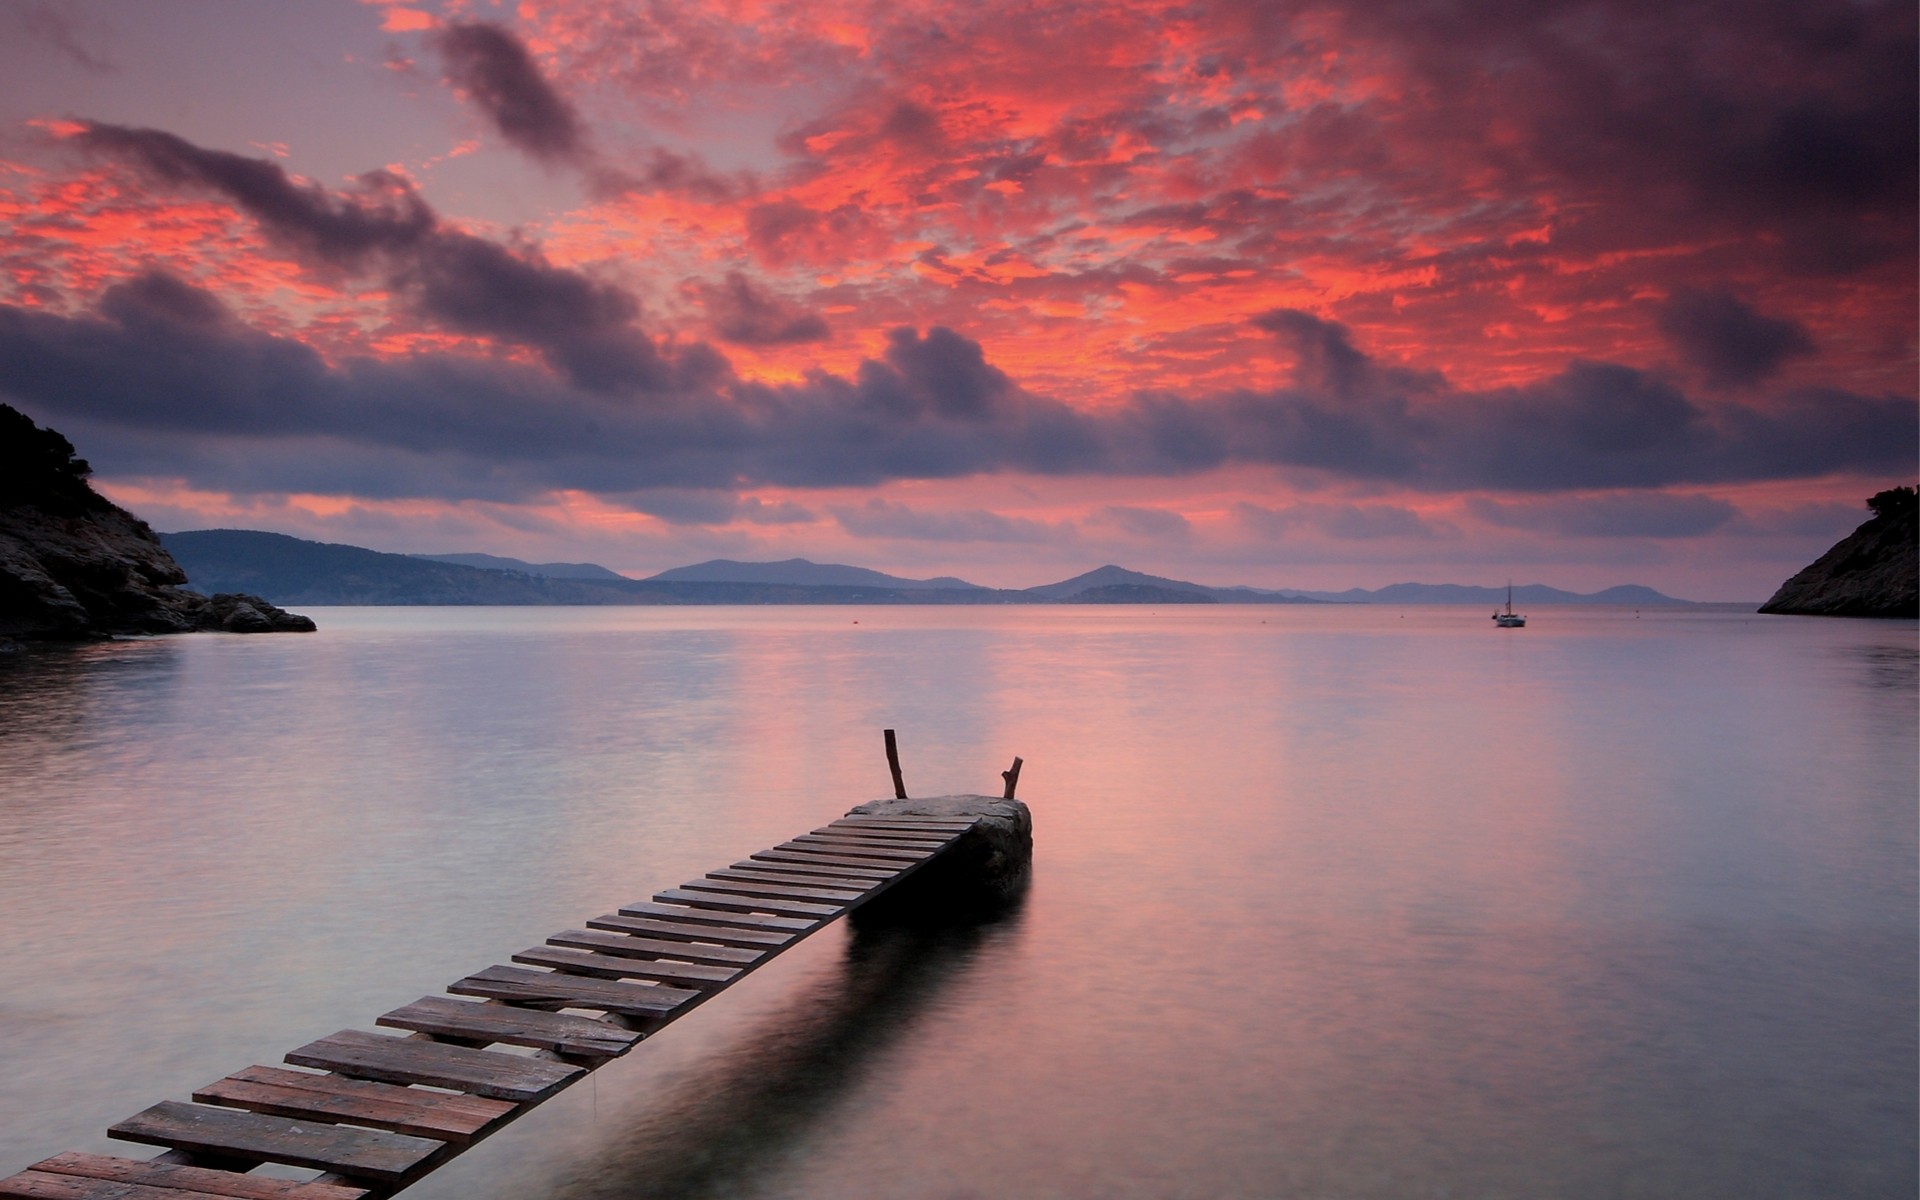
x=1284, y=294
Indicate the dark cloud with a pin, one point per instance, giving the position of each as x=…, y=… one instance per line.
x=1623, y=514
x=662, y=170
x=684, y=506
x=745, y=314
x=1725, y=339
x=1326, y=361
x=448, y=278
x=495, y=71
x=584, y=328
x=167, y=381
x=383, y=215
x=1787, y=123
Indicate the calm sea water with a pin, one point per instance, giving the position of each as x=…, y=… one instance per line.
x=1341, y=902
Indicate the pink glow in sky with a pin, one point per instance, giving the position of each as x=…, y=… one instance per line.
x=1312, y=295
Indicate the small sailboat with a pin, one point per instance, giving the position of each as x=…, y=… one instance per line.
x=1509, y=619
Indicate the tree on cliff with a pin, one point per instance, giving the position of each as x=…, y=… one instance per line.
x=1894, y=502
x=41, y=467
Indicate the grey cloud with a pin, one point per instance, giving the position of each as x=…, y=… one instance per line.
x=1625, y=514
x=454, y=280
x=745, y=314
x=685, y=506
x=494, y=69
x=383, y=215
x=1726, y=339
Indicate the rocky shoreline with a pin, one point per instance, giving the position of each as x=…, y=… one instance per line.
x=76, y=567
x=1872, y=572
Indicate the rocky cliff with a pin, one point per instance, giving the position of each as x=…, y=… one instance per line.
x=1873, y=571
x=74, y=566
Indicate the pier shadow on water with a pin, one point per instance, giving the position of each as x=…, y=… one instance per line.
x=723, y=1127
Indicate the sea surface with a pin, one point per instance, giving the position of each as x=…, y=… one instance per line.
x=1341, y=902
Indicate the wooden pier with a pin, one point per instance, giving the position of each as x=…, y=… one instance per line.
x=373, y=1112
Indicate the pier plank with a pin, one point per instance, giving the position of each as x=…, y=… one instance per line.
x=878, y=873
x=644, y=947
x=827, y=858
x=747, y=904
x=883, y=837
x=718, y=935
x=853, y=848
x=872, y=841
x=171, y=1180
x=945, y=830
x=335, y=1098
x=767, y=874
x=546, y=989
x=39, y=1185
x=706, y=914
x=442, y=1016
x=614, y=966
x=255, y=1137
x=436, y=1064
x=750, y=886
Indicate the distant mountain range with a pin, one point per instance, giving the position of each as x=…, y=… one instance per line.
x=288, y=570
x=493, y=562
x=800, y=573
x=1532, y=594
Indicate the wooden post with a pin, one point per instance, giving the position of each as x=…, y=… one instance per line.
x=1012, y=776
x=893, y=764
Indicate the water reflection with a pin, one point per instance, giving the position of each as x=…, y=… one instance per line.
x=723, y=1126
x=61, y=701
x=1893, y=668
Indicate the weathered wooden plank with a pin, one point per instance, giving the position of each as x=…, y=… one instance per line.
x=442, y=1016
x=517, y=985
x=612, y=966
x=918, y=838
x=436, y=1064
x=708, y=915
x=932, y=825
x=644, y=947
x=718, y=935
x=853, y=848
x=255, y=1137
x=747, y=904
x=767, y=874
x=827, y=858
x=778, y=891
x=38, y=1185
x=836, y=837
x=175, y=1181
x=877, y=873
x=883, y=837
x=336, y=1098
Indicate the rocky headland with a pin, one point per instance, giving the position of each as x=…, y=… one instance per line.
x=76, y=567
x=1872, y=572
